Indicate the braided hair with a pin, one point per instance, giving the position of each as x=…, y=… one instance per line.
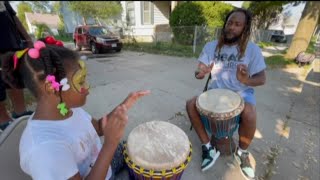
x=245, y=33
x=53, y=60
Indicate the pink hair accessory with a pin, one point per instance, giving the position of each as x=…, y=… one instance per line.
x=35, y=52
x=54, y=84
x=17, y=56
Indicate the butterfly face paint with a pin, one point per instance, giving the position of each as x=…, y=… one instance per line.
x=79, y=82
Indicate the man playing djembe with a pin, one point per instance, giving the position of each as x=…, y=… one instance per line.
x=238, y=65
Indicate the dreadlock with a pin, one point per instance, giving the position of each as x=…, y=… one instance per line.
x=245, y=33
x=53, y=60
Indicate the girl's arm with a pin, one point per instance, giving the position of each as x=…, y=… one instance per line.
x=101, y=166
x=97, y=124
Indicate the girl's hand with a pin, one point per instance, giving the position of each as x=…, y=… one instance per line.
x=115, y=122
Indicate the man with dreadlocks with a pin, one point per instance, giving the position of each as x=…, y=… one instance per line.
x=238, y=65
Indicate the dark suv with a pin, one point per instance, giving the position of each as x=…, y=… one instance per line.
x=97, y=38
x=278, y=36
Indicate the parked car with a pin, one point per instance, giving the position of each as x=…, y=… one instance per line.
x=97, y=38
x=278, y=36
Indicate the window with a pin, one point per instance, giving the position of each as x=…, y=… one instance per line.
x=79, y=30
x=130, y=14
x=147, y=12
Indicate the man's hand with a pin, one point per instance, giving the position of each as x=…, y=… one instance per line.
x=242, y=73
x=202, y=70
x=114, y=123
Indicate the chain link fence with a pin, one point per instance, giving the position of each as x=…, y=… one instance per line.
x=199, y=35
x=191, y=38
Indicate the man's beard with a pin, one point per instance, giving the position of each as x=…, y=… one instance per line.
x=231, y=40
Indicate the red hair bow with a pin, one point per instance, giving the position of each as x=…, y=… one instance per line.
x=51, y=40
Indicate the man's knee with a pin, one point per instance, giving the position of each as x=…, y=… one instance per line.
x=249, y=115
x=191, y=103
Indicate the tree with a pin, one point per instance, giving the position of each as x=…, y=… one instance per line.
x=41, y=6
x=22, y=8
x=187, y=15
x=266, y=13
x=246, y=4
x=307, y=24
x=56, y=9
x=96, y=9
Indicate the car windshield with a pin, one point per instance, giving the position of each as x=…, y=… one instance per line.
x=96, y=31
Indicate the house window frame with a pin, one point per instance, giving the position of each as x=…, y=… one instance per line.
x=151, y=10
x=132, y=9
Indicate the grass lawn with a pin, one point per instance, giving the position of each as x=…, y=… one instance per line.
x=275, y=61
x=164, y=49
x=278, y=61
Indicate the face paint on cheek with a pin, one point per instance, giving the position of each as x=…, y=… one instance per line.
x=79, y=83
x=84, y=90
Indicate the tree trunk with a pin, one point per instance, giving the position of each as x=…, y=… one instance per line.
x=98, y=21
x=84, y=21
x=305, y=29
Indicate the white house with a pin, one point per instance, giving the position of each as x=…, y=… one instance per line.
x=141, y=18
x=149, y=20
x=52, y=21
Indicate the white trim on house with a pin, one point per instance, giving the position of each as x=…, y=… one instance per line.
x=159, y=12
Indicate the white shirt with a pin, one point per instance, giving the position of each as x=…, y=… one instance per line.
x=57, y=150
x=224, y=71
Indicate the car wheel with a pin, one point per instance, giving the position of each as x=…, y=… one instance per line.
x=78, y=48
x=118, y=50
x=94, y=49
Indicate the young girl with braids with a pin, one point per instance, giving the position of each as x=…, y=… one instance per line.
x=61, y=140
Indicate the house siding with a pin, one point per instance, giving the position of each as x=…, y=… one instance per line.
x=161, y=12
x=146, y=33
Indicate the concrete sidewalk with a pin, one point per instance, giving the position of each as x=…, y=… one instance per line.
x=281, y=125
x=286, y=143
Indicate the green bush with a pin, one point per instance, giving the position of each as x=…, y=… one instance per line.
x=214, y=12
x=183, y=17
x=41, y=30
x=187, y=15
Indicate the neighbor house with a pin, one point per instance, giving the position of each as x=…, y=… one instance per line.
x=149, y=20
x=141, y=19
x=51, y=20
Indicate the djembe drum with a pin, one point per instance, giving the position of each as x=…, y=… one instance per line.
x=220, y=111
x=157, y=150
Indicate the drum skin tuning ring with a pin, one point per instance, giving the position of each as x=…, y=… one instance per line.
x=153, y=173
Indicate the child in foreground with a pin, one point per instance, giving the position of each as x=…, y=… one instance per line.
x=61, y=140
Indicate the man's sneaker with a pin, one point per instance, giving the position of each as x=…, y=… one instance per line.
x=209, y=156
x=245, y=166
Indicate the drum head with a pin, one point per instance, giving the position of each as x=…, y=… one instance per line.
x=158, y=145
x=219, y=101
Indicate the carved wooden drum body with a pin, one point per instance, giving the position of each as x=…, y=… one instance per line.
x=222, y=109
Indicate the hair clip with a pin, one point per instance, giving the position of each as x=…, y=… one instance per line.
x=35, y=52
x=52, y=41
x=51, y=79
x=17, y=56
x=64, y=84
x=62, y=107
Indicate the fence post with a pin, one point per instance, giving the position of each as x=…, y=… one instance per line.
x=195, y=39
